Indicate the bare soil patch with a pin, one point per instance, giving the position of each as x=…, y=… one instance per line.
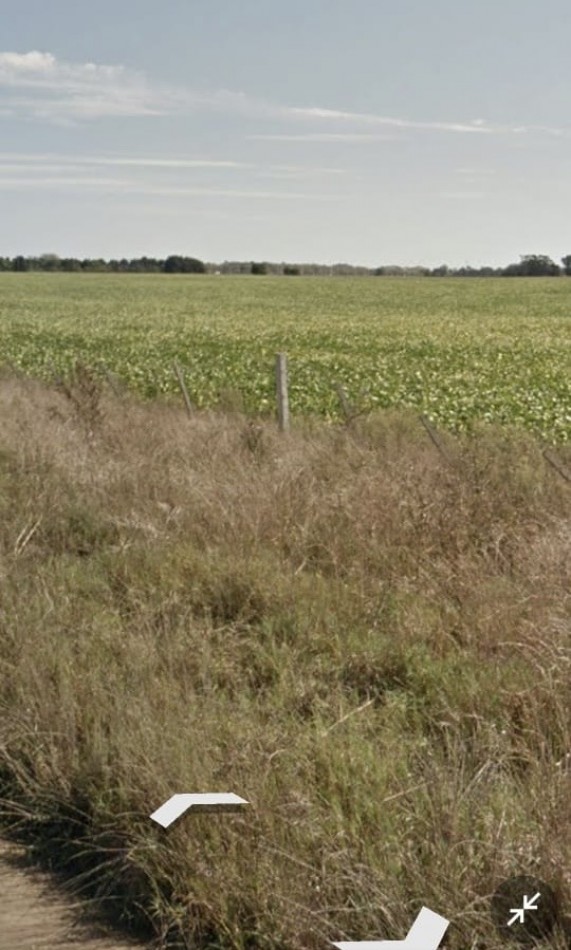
x=35, y=916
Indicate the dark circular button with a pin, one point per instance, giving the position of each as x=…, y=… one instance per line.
x=525, y=909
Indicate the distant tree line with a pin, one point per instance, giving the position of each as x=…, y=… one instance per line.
x=529, y=265
x=175, y=264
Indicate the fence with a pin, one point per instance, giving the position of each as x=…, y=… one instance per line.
x=350, y=414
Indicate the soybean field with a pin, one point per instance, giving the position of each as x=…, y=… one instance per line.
x=460, y=350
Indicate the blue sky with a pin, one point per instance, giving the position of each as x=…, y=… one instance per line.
x=367, y=132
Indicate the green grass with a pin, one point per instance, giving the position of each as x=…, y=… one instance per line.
x=459, y=350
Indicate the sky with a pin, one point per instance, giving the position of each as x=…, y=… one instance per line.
x=357, y=131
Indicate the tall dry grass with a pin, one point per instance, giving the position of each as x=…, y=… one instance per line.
x=369, y=644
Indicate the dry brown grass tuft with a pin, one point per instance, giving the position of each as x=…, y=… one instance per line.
x=368, y=642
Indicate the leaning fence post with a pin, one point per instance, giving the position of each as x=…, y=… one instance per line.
x=111, y=379
x=281, y=392
x=434, y=438
x=348, y=410
x=556, y=464
x=183, y=389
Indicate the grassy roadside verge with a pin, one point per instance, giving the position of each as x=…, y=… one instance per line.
x=369, y=644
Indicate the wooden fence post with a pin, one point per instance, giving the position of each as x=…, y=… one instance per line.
x=282, y=392
x=111, y=379
x=434, y=438
x=183, y=389
x=556, y=464
x=348, y=410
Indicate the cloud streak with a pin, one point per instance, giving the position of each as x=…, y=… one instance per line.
x=130, y=187
x=165, y=178
x=37, y=84
x=33, y=164
x=336, y=137
x=476, y=126
x=32, y=161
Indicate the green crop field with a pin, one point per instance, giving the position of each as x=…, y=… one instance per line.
x=460, y=350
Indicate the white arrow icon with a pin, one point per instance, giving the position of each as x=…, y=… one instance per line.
x=178, y=804
x=425, y=934
x=519, y=913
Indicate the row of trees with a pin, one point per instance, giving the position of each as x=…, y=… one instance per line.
x=530, y=265
x=175, y=264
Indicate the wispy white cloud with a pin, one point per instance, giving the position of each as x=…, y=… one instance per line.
x=169, y=163
x=51, y=160
x=8, y=182
x=295, y=172
x=476, y=125
x=129, y=186
x=39, y=85
x=473, y=126
x=43, y=69
x=35, y=163
x=336, y=137
x=150, y=189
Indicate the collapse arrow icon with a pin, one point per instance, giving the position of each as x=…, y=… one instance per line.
x=529, y=903
x=178, y=804
x=425, y=934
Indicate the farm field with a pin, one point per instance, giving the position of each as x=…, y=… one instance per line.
x=460, y=350
x=364, y=634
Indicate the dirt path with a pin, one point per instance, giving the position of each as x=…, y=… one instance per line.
x=35, y=916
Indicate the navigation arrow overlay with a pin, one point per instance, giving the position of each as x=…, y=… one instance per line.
x=519, y=912
x=425, y=934
x=178, y=804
